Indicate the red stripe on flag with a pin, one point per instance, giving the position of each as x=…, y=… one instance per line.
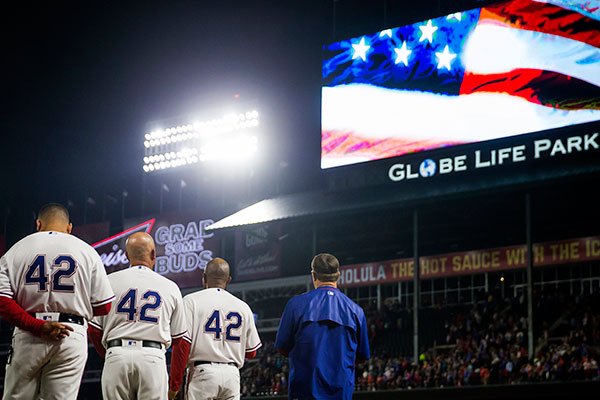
x=350, y=144
x=543, y=17
x=547, y=88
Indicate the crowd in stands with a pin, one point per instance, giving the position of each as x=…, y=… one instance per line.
x=268, y=376
x=483, y=343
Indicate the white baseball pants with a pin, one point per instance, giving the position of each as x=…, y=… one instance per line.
x=45, y=370
x=214, y=382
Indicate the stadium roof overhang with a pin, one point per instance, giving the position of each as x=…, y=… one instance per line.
x=332, y=203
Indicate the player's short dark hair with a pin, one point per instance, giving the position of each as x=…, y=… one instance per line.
x=53, y=210
x=325, y=267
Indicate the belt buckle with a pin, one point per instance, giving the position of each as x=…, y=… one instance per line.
x=48, y=316
x=131, y=343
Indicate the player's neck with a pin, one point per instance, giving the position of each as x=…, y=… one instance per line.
x=53, y=228
x=140, y=264
x=319, y=284
x=224, y=287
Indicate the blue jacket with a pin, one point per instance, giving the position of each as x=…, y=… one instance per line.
x=322, y=332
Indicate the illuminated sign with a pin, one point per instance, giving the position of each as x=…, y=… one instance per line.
x=183, y=247
x=112, y=249
x=478, y=159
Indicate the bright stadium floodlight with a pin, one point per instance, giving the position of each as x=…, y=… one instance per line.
x=231, y=137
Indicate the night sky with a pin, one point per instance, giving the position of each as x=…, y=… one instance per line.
x=81, y=82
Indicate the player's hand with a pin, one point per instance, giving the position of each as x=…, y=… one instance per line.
x=172, y=394
x=54, y=331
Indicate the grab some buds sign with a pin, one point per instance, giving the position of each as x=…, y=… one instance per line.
x=183, y=247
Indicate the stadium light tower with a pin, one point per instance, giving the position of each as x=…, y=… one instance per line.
x=231, y=137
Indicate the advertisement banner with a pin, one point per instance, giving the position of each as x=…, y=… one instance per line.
x=258, y=252
x=472, y=262
x=183, y=247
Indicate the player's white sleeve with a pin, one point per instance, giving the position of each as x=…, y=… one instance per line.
x=252, y=339
x=98, y=322
x=5, y=286
x=101, y=291
x=188, y=306
x=178, y=324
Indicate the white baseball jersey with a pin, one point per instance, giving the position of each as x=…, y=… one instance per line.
x=147, y=306
x=221, y=327
x=54, y=272
x=59, y=273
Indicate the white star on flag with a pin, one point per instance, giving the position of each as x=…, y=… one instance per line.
x=445, y=58
x=360, y=50
x=457, y=16
x=386, y=32
x=402, y=54
x=427, y=31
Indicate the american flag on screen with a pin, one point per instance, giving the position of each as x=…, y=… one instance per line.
x=516, y=67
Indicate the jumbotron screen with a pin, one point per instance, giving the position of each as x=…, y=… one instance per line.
x=511, y=68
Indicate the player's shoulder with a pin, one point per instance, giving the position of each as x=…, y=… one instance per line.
x=120, y=277
x=199, y=295
x=120, y=274
x=144, y=274
x=73, y=242
x=41, y=239
x=348, y=301
x=84, y=246
x=166, y=283
x=195, y=298
x=301, y=298
x=237, y=301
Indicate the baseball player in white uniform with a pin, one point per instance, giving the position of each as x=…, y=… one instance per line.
x=223, y=334
x=147, y=316
x=56, y=277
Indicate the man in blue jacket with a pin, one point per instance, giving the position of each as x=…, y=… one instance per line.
x=323, y=333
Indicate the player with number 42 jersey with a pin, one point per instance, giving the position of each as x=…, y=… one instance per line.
x=147, y=316
x=223, y=334
x=50, y=277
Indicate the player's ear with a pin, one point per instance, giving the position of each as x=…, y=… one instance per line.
x=229, y=280
x=38, y=225
x=69, y=228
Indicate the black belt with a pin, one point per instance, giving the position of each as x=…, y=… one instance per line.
x=200, y=362
x=145, y=343
x=65, y=317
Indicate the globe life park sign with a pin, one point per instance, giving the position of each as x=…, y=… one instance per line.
x=523, y=151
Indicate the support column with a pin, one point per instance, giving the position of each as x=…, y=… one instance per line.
x=529, y=275
x=378, y=297
x=416, y=286
x=487, y=289
x=314, y=250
